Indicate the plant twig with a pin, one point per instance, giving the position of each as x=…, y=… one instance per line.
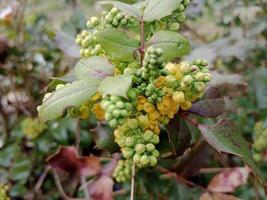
x=41, y=179
x=60, y=188
x=133, y=181
x=142, y=43
x=85, y=189
x=188, y=119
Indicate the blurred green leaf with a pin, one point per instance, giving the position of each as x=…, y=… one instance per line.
x=173, y=44
x=117, y=44
x=117, y=85
x=157, y=9
x=94, y=69
x=70, y=95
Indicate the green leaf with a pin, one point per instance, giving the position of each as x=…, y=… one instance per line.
x=21, y=168
x=94, y=69
x=131, y=10
x=224, y=136
x=157, y=9
x=117, y=85
x=70, y=95
x=173, y=44
x=260, y=84
x=117, y=45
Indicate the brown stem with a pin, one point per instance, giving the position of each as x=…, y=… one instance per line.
x=60, y=188
x=85, y=189
x=188, y=119
x=142, y=44
x=41, y=179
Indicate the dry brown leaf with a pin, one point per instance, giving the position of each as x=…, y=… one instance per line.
x=229, y=179
x=217, y=196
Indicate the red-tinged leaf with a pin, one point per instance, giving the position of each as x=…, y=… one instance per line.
x=217, y=196
x=101, y=188
x=229, y=179
x=67, y=44
x=68, y=160
x=209, y=107
x=224, y=136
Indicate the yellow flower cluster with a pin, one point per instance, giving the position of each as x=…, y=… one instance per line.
x=32, y=127
x=4, y=192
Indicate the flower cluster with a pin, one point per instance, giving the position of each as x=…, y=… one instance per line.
x=112, y=19
x=123, y=171
x=137, y=144
x=89, y=46
x=260, y=142
x=4, y=192
x=117, y=109
x=178, y=16
x=32, y=127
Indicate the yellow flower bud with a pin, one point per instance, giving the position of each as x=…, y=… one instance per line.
x=171, y=68
x=186, y=105
x=178, y=97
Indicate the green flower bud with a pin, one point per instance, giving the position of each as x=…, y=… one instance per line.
x=113, y=123
x=127, y=152
x=114, y=11
x=94, y=21
x=200, y=76
x=132, y=124
x=155, y=153
x=109, y=18
x=181, y=17
x=132, y=94
x=150, y=147
x=199, y=86
x=153, y=161
x=110, y=108
x=124, y=113
x=148, y=136
x=155, y=139
x=174, y=26
x=129, y=142
x=136, y=158
x=144, y=160
x=116, y=113
x=119, y=104
x=108, y=116
x=140, y=148
x=187, y=80
x=114, y=98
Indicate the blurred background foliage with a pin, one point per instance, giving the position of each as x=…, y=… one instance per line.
x=231, y=35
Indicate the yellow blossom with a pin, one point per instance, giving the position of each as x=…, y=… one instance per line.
x=141, y=100
x=96, y=97
x=84, y=112
x=149, y=108
x=186, y=105
x=171, y=68
x=99, y=112
x=160, y=81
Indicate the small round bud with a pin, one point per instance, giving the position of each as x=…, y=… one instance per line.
x=113, y=123
x=150, y=147
x=153, y=160
x=186, y=105
x=178, y=97
x=94, y=21
x=155, y=139
x=144, y=160
x=155, y=153
x=140, y=148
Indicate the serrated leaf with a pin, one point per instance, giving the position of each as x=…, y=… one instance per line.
x=70, y=95
x=224, y=136
x=117, y=45
x=131, y=10
x=209, y=107
x=117, y=85
x=93, y=69
x=67, y=44
x=157, y=9
x=173, y=44
x=260, y=85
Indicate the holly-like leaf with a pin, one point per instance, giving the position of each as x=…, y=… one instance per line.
x=209, y=107
x=67, y=44
x=229, y=179
x=131, y=10
x=117, y=45
x=117, y=85
x=93, y=69
x=217, y=196
x=173, y=44
x=225, y=137
x=179, y=135
x=260, y=84
x=157, y=9
x=68, y=160
x=68, y=96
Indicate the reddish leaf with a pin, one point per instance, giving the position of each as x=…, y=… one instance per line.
x=68, y=160
x=229, y=179
x=102, y=188
x=217, y=196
